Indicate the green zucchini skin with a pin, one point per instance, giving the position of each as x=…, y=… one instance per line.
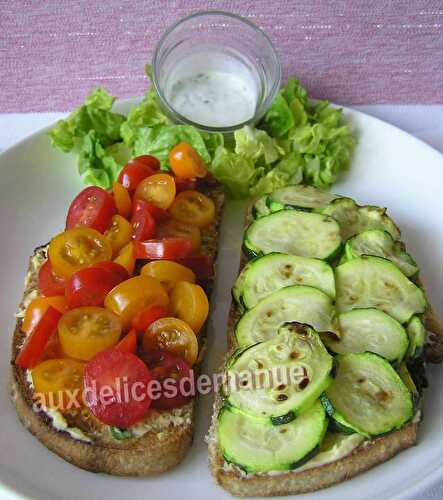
x=417, y=336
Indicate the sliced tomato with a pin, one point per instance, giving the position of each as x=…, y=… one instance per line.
x=189, y=302
x=169, y=248
x=126, y=258
x=186, y=162
x=119, y=234
x=116, y=387
x=168, y=272
x=193, y=207
x=93, y=208
x=118, y=272
x=89, y=287
x=143, y=223
x=136, y=170
x=122, y=200
x=37, y=308
x=48, y=283
x=32, y=351
x=159, y=214
x=129, y=342
x=158, y=189
x=185, y=184
x=143, y=320
x=202, y=265
x=175, y=229
x=163, y=366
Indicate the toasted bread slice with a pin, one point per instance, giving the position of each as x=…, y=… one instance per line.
x=157, y=444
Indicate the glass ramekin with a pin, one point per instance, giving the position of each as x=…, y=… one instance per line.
x=227, y=33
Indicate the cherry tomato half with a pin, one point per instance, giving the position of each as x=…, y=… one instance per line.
x=105, y=379
x=159, y=214
x=93, y=207
x=59, y=382
x=168, y=272
x=175, y=229
x=163, y=366
x=119, y=234
x=186, y=162
x=129, y=342
x=136, y=170
x=122, y=200
x=142, y=320
x=48, y=283
x=185, y=184
x=193, y=207
x=169, y=248
x=85, y=331
x=37, y=308
x=143, y=223
x=118, y=272
x=202, y=265
x=189, y=303
x=89, y=287
x=135, y=295
x=126, y=258
x=76, y=249
x=32, y=351
x=173, y=335
x=158, y=189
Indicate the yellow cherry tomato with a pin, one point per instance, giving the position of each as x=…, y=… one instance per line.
x=85, y=331
x=176, y=229
x=189, y=303
x=122, y=200
x=126, y=258
x=77, y=248
x=119, y=234
x=158, y=189
x=38, y=307
x=168, y=272
x=133, y=295
x=192, y=207
x=186, y=162
x=58, y=383
x=173, y=335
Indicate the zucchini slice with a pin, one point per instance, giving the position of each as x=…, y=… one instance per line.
x=260, y=208
x=368, y=395
x=280, y=378
x=301, y=303
x=300, y=197
x=376, y=282
x=381, y=244
x=354, y=219
x=417, y=336
x=295, y=233
x=371, y=330
x=255, y=445
x=274, y=271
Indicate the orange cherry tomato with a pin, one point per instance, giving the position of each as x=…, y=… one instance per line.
x=38, y=307
x=129, y=342
x=122, y=200
x=186, y=162
x=189, y=303
x=168, y=272
x=133, y=295
x=193, y=207
x=59, y=383
x=176, y=229
x=85, y=331
x=77, y=248
x=173, y=335
x=158, y=189
x=119, y=234
x=142, y=320
x=126, y=258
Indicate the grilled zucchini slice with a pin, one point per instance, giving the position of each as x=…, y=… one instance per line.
x=417, y=336
x=299, y=197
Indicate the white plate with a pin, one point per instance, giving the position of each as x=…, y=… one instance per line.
x=390, y=168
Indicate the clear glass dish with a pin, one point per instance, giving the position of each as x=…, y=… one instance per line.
x=205, y=39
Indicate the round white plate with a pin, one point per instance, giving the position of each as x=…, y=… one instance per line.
x=37, y=183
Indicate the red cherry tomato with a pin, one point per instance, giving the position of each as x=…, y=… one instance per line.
x=32, y=352
x=185, y=184
x=93, y=208
x=143, y=222
x=105, y=378
x=49, y=284
x=142, y=320
x=118, y=272
x=201, y=265
x=89, y=286
x=136, y=170
x=159, y=214
x=169, y=248
x=128, y=343
x=164, y=366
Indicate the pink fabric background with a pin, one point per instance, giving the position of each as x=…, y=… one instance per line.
x=53, y=52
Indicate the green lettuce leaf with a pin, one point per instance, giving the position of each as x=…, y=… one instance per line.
x=279, y=118
x=257, y=145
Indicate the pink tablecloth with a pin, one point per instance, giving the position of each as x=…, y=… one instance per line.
x=53, y=52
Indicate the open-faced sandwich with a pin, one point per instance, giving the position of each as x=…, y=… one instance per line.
x=329, y=333
x=114, y=309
